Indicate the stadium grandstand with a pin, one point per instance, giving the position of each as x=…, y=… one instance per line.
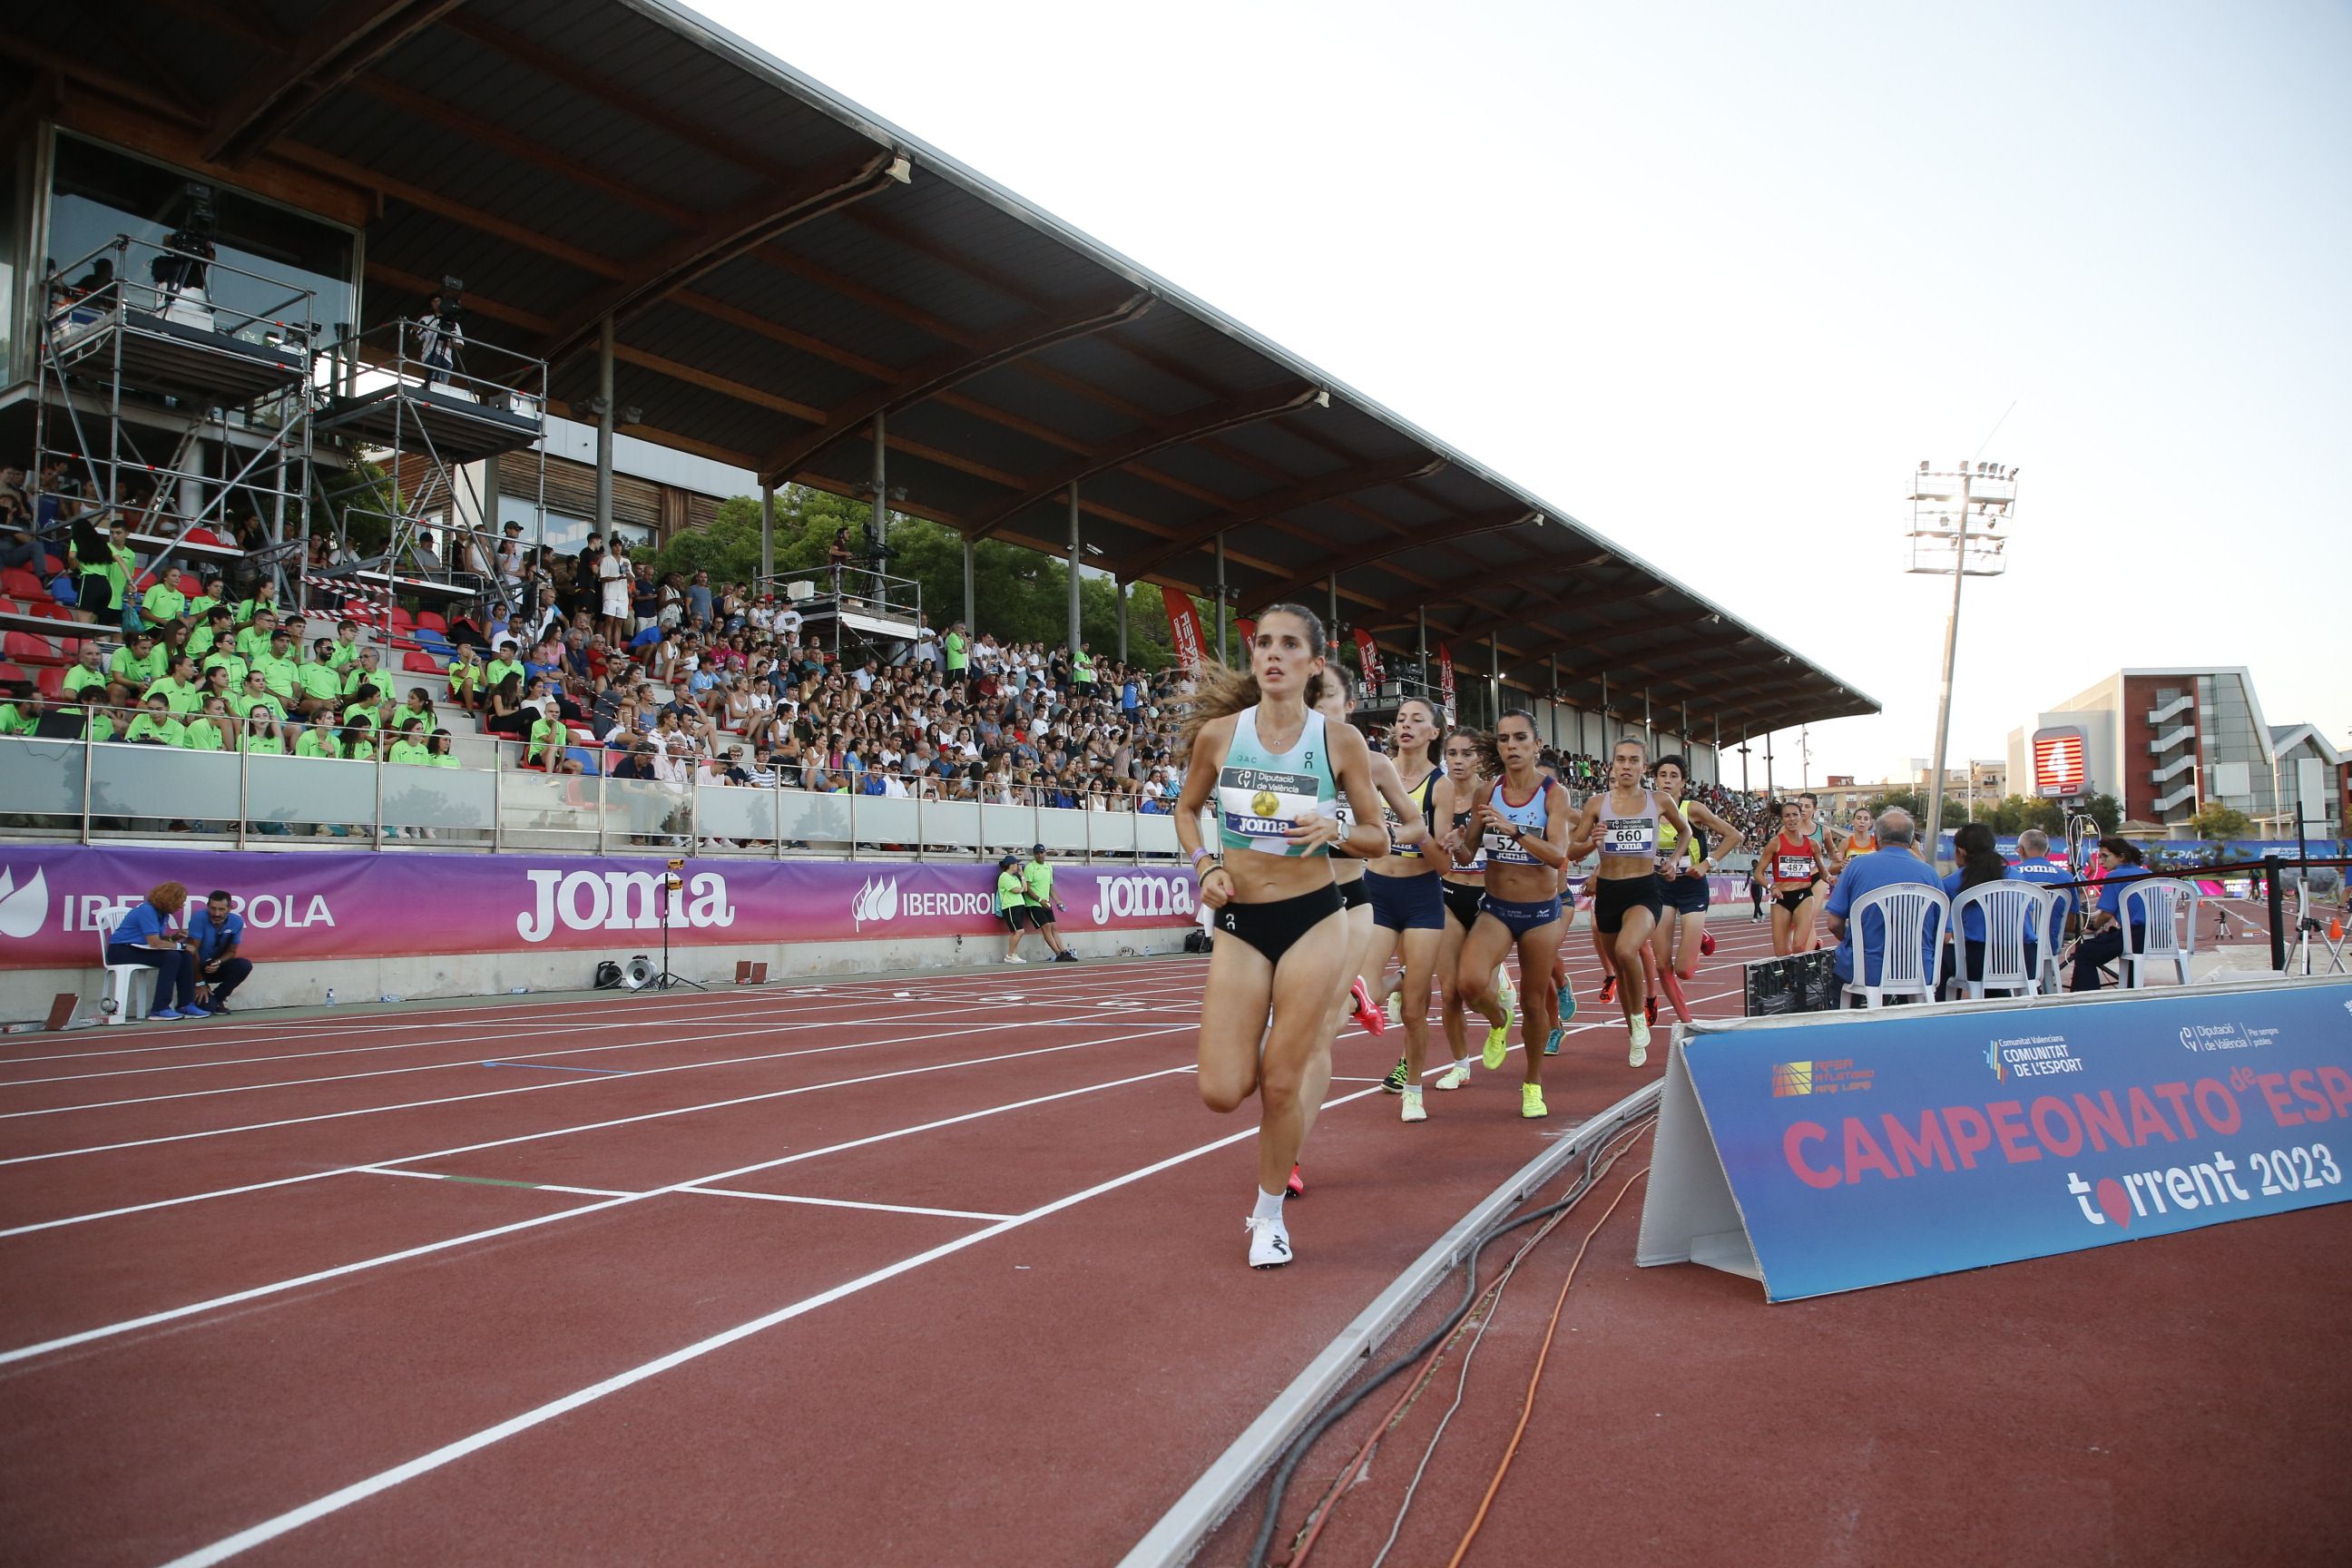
x=311, y=343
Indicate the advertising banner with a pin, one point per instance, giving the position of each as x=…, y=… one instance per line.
x=1445, y=680
x=363, y=904
x=1865, y=1149
x=1244, y=634
x=1368, y=658
x=1183, y=631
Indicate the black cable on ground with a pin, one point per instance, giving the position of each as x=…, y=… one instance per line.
x=1302, y=1445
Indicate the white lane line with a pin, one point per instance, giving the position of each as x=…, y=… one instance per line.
x=1126, y=1037
x=487, y=1182
x=353, y=1023
x=615, y=1200
x=425, y=1464
x=842, y=1204
x=561, y=1083
x=405, y=1036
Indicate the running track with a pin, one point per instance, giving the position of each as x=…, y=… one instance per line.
x=936, y=1268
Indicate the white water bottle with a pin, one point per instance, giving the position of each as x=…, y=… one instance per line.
x=330, y=996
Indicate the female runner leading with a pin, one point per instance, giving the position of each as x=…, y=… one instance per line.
x=1793, y=862
x=1277, y=767
x=1526, y=840
x=1462, y=883
x=1623, y=822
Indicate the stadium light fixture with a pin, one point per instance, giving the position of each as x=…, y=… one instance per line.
x=1956, y=522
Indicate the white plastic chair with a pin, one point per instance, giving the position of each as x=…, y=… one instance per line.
x=2161, y=901
x=2054, y=909
x=2011, y=911
x=121, y=983
x=1915, y=917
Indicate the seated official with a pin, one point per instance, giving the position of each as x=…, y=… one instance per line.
x=218, y=936
x=1893, y=863
x=1978, y=861
x=144, y=936
x=2034, y=865
x=2102, y=941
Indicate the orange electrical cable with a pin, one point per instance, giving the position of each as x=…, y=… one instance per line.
x=1528, y=1408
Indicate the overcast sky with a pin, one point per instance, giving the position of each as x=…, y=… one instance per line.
x=1715, y=278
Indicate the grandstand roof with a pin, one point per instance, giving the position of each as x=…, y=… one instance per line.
x=776, y=286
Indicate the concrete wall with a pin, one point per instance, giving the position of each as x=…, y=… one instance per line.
x=25, y=994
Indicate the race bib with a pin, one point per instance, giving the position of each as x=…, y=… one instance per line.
x=1628, y=835
x=1795, y=867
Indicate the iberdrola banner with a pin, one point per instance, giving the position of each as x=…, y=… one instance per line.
x=367, y=904
x=1445, y=680
x=1368, y=656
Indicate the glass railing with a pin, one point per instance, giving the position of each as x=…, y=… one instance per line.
x=99, y=791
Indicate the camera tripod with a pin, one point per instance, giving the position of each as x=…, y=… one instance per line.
x=665, y=981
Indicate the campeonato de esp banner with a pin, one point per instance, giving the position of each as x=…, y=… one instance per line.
x=377, y=905
x=1919, y=1142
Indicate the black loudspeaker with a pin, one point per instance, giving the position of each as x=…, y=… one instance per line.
x=1769, y=987
x=608, y=976
x=1818, y=982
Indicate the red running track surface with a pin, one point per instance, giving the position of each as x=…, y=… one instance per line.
x=947, y=1268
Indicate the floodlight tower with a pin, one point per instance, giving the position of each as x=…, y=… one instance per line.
x=1957, y=520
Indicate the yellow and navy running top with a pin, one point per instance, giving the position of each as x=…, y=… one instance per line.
x=1261, y=794
x=1424, y=795
x=1694, y=851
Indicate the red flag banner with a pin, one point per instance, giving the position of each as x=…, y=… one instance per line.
x=1183, y=631
x=1445, y=680
x=1368, y=658
x=1246, y=633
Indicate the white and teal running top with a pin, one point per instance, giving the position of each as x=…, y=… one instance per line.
x=1260, y=795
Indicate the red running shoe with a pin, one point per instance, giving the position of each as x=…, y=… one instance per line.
x=1373, y=1020
x=1608, y=989
x=1707, y=944
x=1649, y=1008
x=1297, y=1184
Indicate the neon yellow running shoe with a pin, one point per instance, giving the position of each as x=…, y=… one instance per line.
x=1498, y=1042
x=1531, y=1102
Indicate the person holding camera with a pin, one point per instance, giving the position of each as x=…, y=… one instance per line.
x=440, y=339
x=144, y=936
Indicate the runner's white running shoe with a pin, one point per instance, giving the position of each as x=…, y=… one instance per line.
x=1413, y=1110
x=1454, y=1077
x=1269, y=1242
x=1640, y=1051
x=1016, y=958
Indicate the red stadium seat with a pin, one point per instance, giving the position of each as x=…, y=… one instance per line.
x=430, y=620
x=19, y=583
x=420, y=662
x=10, y=607
x=28, y=648
x=51, y=566
x=204, y=536
x=10, y=674
x=48, y=609
x=52, y=682
x=189, y=585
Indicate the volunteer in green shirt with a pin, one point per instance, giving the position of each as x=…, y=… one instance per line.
x=21, y=714
x=465, y=678
x=254, y=641
x=545, y=748
x=322, y=683
x=179, y=687
x=278, y=670
x=123, y=567
x=364, y=677
x=256, y=695
x=410, y=748
x=136, y=665
x=959, y=651
x=439, y=751
x=207, y=599
x=347, y=644
x=507, y=663
x=1012, y=906
x=217, y=634
x=163, y=601
x=155, y=724
x=319, y=741
x=222, y=658
x=1037, y=882
x=210, y=730
x=266, y=739
x=1082, y=669
x=84, y=675
x=265, y=598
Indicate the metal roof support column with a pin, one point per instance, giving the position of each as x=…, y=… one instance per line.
x=971, y=620
x=880, y=526
x=604, y=415
x=1077, y=552
x=1608, y=746
x=1495, y=680
x=767, y=536
x=1649, y=730
x=1554, y=662
x=1221, y=598
x=1768, y=789
x=1121, y=589
x=1421, y=638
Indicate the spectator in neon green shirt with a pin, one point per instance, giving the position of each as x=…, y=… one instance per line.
x=545, y=748
x=254, y=641
x=216, y=635
x=958, y=648
x=440, y=750
x=363, y=677
x=155, y=724
x=256, y=696
x=209, y=730
x=265, y=738
x=207, y=598
x=179, y=687
x=162, y=602
x=507, y=663
x=137, y=664
x=319, y=740
x=21, y=713
x=277, y=668
x=322, y=683
x=265, y=598
x=222, y=658
x=409, y=747
x=467, y=676
x=347, y=644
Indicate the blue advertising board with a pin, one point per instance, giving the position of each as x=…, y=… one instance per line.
x=1865, y=1148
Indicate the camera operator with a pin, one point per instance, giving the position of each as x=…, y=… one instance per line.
x=441, y=338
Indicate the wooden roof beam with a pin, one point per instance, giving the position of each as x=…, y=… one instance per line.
x=274, y=96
